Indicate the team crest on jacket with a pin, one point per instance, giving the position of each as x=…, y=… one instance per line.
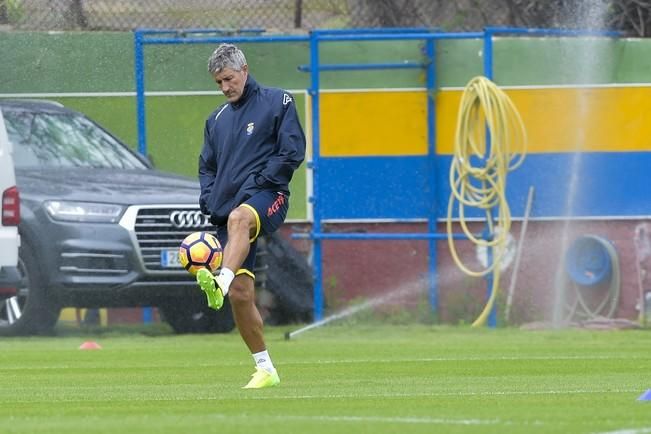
x=249, y=128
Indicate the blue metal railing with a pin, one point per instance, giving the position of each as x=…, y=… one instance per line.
x=144, y=37
x=315, y=68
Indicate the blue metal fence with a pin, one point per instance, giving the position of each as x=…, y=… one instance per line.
x=315, y=67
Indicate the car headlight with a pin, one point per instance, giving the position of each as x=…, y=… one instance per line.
x=86, y=212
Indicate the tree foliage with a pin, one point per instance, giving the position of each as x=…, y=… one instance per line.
x=631, y=17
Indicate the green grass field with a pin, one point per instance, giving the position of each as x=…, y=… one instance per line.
x=343, y=379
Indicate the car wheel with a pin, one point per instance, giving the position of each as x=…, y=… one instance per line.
x=29, y=311
x=197, y=317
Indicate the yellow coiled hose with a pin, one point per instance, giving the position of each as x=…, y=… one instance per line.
x=479, y=169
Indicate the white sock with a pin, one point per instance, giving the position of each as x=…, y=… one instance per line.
x=224, y=280
x=262, y=360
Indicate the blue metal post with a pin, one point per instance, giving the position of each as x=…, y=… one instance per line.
x=147, y=315
x=140, y=91
x=488, y=54
x=314, y=68
x=488, y=73
x=430, y=86
x=492, y=316
x=316, y=208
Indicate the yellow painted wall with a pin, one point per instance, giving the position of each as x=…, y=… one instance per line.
x=602, y=119
x=373, y=123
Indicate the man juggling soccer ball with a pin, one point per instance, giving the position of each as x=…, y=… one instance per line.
x=253, y=143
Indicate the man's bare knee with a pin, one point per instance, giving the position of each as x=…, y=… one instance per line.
x=241, y=294
x=242, y=219
x=238, y=218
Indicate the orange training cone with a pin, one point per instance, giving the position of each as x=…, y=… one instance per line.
x=90, y=345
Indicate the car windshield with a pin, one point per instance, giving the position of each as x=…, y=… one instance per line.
x=49, y=139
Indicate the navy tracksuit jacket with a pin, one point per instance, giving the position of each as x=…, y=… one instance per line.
x=251, y=145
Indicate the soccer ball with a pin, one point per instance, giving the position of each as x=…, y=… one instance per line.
x=200, y=250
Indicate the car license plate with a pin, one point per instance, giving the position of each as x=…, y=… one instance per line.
x=170, y=259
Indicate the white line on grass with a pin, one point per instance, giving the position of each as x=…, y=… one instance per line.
x=439, y=394
x=352, y=396
x=465, y=359
x=441, y=359
x=354, y=361
x=629, y=431
x=371, y=419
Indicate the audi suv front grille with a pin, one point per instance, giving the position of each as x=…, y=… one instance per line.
x=161, y=229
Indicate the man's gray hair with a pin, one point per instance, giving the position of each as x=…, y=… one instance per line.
x=226, y=56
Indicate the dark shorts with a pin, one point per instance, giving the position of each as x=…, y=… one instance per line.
x=270, y=209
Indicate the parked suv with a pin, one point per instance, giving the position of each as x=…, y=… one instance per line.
x=9, y=217
x=99, y=226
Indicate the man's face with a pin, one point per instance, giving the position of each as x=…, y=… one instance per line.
x=232, y=82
